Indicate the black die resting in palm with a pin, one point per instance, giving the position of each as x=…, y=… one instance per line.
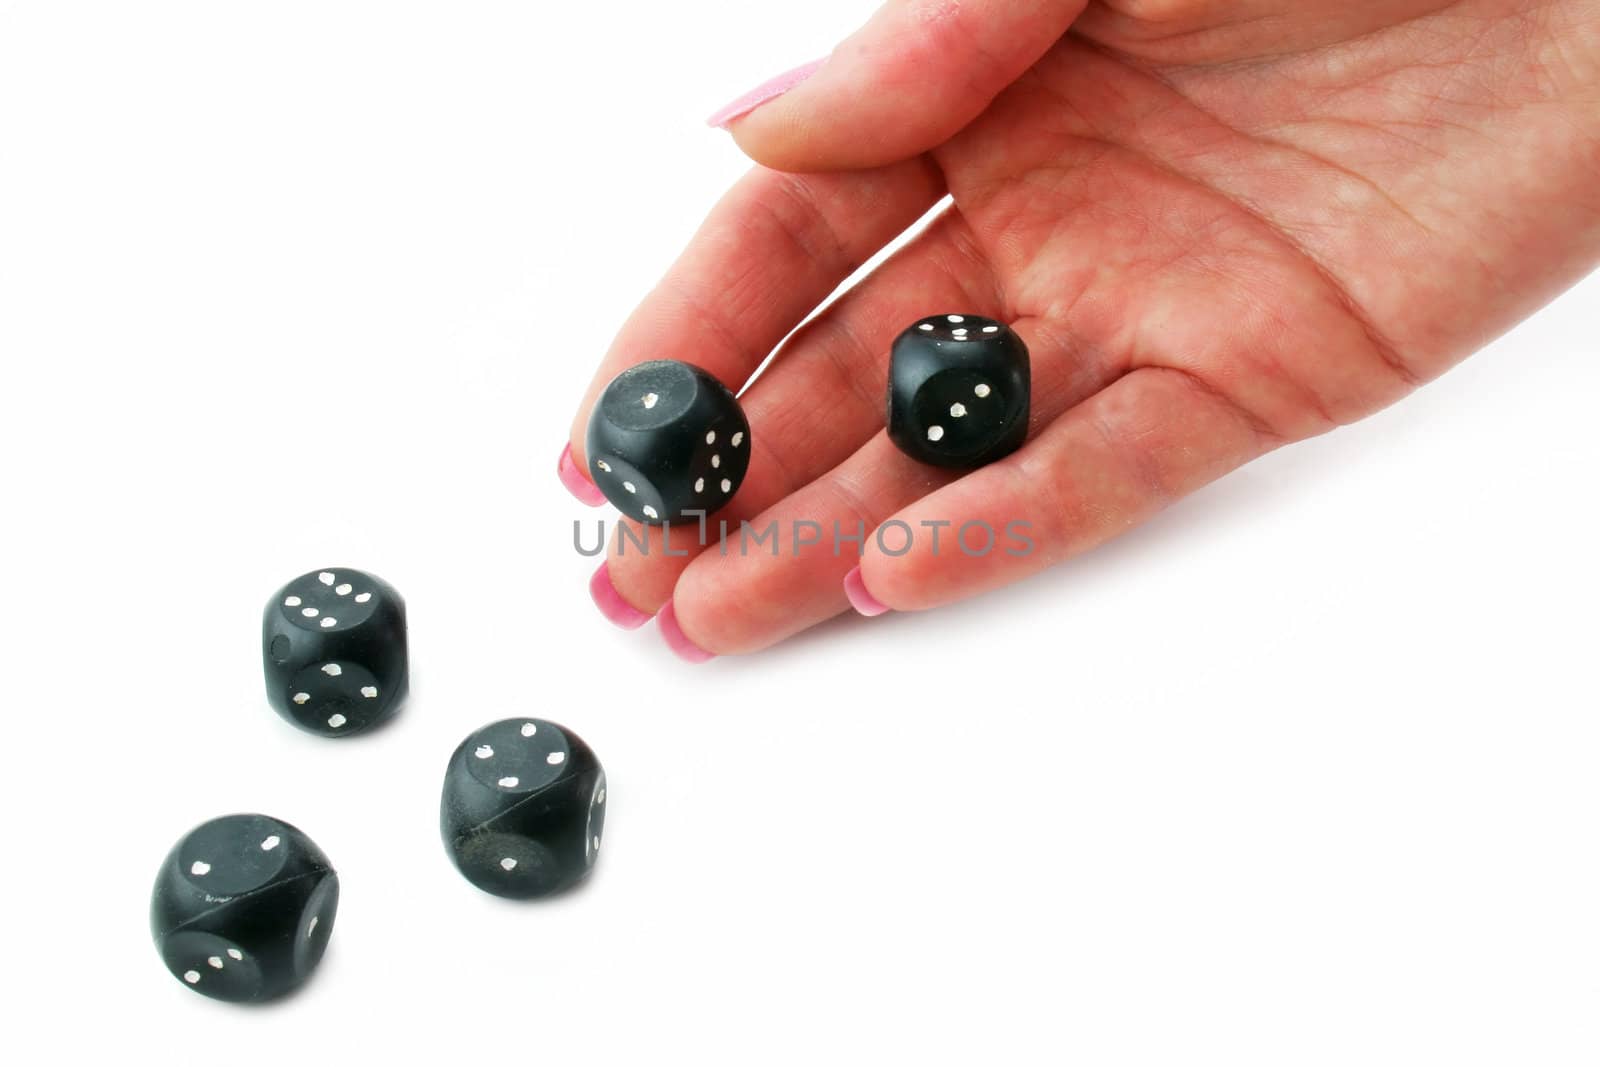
x=333, y=646
x=667, y=442
x=958, y=391
x=523, y=808
x=243, y=907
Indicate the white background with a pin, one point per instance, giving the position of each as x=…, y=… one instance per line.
x=1304, y=772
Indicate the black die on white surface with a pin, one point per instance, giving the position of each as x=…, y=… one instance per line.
x=524, y=808
x=666, y=442
x=958, y=391
x=243, y=908
x=333, y=644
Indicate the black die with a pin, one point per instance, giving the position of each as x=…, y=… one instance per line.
x=666, y=442
x=243, y=908
x=333, y=644
x=524, y=808
x=958, y=391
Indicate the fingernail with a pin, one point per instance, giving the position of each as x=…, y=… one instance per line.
x=576, y=483
x=610, y=602
x=672, y=633
x=856, y=591
x=762, y=94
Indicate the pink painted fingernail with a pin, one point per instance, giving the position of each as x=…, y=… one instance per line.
x=856, y=591
x=676, y=640
x=576, y=483
x=610, y=602
x=763, y=93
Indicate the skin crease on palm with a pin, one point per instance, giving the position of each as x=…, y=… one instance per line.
x=1221, y=227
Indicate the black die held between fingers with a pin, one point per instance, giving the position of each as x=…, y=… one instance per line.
x=523, y=808
x=243, y=908
x=958, y=391
x=333, y=646
x=667, y=442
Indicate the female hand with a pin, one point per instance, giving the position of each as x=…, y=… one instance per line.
x=1221, y=226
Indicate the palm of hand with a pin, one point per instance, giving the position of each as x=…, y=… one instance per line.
x=1303, y=238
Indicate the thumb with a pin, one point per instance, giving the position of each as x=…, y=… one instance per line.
x=909, y=79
